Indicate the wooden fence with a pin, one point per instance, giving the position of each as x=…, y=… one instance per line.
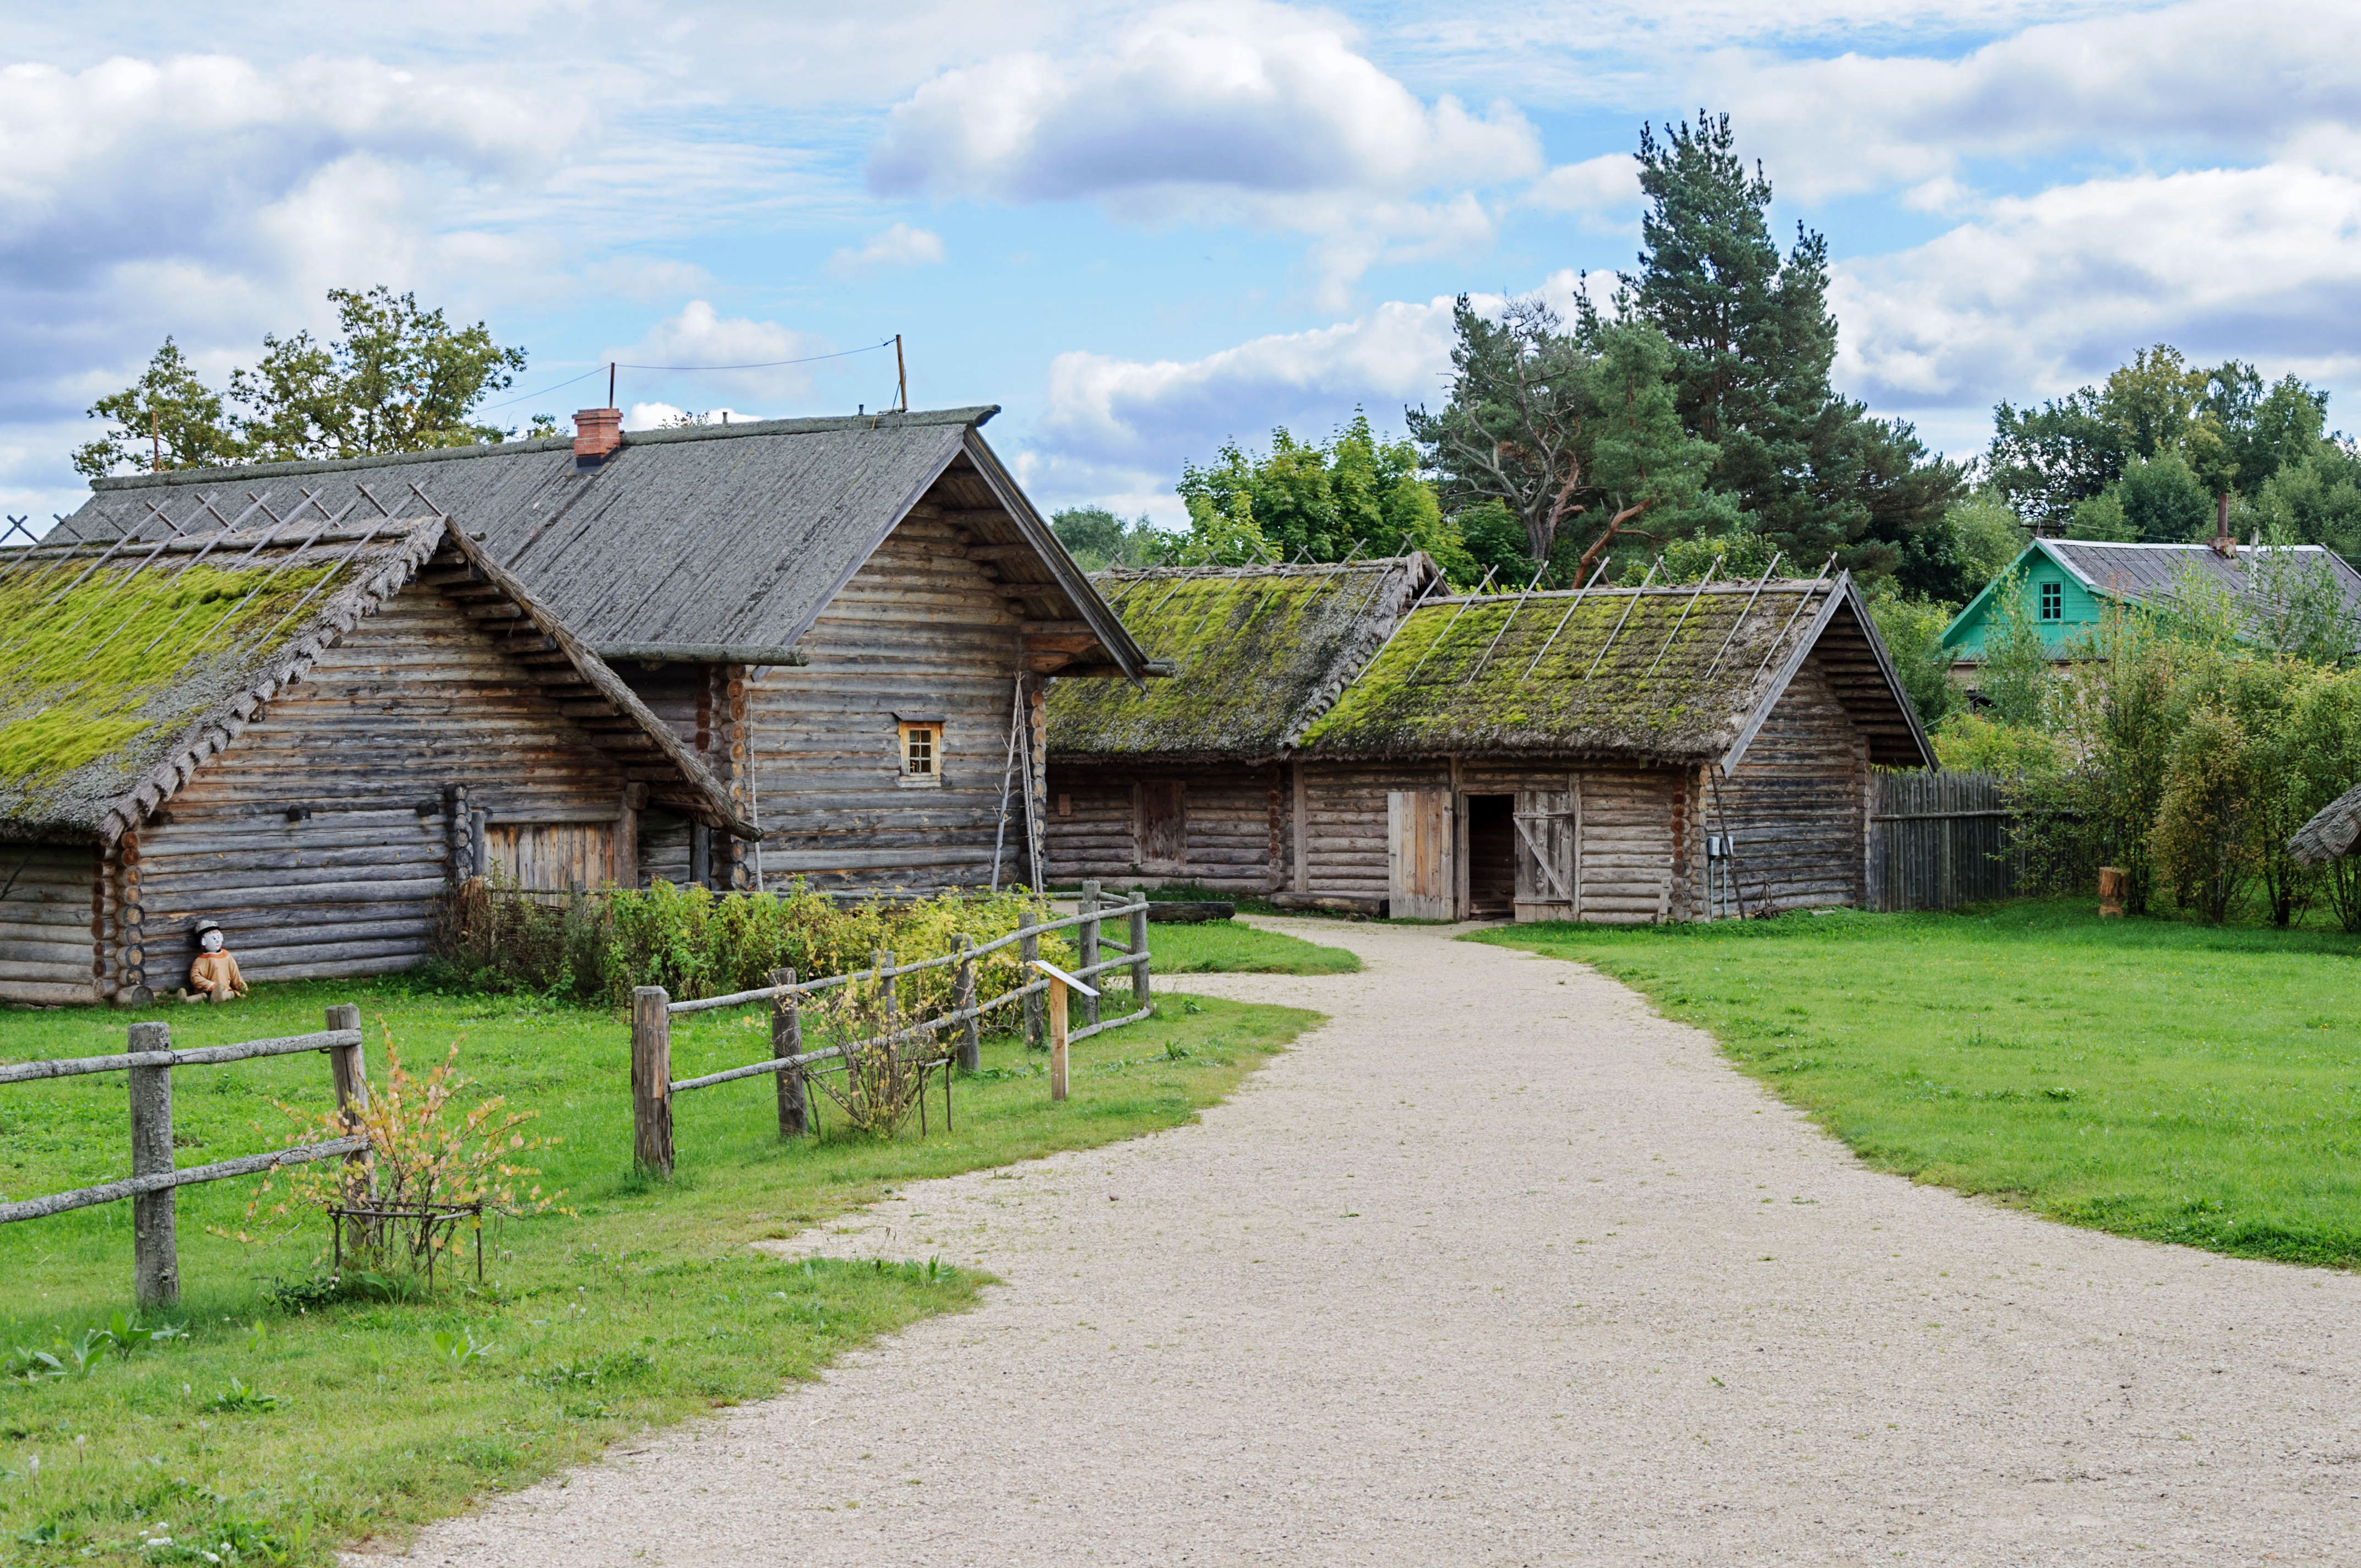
x=155, y=1252
x=1939, y=839
x=653, y=1085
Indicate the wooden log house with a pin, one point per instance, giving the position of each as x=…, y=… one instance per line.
x=1187, y=781
x=844, y=619
x=1619, y=755
x=305, y=733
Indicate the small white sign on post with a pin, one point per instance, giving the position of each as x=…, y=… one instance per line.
x=1061, y=982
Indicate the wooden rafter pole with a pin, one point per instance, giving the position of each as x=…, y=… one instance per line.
x=1551, y=642
x=1681, y=619
x=1628, y=609
x=1744, y=611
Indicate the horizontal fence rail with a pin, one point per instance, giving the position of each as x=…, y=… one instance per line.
x=149, y=1064
x=1940, y=840
x=653, y=1087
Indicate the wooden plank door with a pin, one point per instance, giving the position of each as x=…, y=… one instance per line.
x=1548, y=844
x=552, y=855
x=1163, y=826
x=1419, y=871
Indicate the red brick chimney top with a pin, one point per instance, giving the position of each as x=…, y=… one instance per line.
x=597, y=433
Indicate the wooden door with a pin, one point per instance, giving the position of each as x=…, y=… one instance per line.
x=1420, y=873
x=1548, y=839
x=552, y=855
x=1163, y=826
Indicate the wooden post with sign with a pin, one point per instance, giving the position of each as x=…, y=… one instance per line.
x=1061, y=982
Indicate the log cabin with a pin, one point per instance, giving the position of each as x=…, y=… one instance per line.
x=848, y=621
x=1615, y=755
x=1186, y=781
x=306, y=735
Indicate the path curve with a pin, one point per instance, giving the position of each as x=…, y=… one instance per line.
x=1497, y=1266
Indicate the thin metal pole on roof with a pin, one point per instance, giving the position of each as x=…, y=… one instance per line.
x=1414, y=606
x=94, y=566
x=251, y=550
x=227, y=528
x=1505, y=621
x=1562, y=620
x=119, y=585
x=1445, y=634
x=1680, y=619
x=342, y=563
x=268, y=577
x=1801, y=600
x=1626, y=615
x=175, y=572
x=1745, y=610
x=1377, y=584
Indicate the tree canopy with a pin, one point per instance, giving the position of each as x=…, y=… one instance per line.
x=1320, y=502
x=397, y=378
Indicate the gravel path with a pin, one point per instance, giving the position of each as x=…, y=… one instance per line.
x=1499, y=1268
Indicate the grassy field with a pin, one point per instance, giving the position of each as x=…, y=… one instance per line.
x=2154, y=1079
x=286, y=1433
x=1222, y=947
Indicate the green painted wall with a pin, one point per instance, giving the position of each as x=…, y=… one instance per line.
x=1965, y=636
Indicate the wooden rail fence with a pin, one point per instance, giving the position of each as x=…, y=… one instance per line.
x=653, y=1011
x=1940, y=840
x=155, y=1252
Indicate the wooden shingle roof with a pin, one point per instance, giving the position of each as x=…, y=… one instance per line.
x=1685, y=674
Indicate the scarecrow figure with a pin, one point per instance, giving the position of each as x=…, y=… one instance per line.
x=214, y=976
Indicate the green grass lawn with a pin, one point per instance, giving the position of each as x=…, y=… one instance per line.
x=1224, y=947
x=2146, y=1077
x=643, y=1307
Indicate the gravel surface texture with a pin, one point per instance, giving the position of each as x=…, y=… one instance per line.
x=1499, y=1268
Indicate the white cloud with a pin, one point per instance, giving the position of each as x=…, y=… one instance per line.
x=661, y=416
x=898, y=246
x=2036, y=295
x=1242, y=112
x=1609, y=180
x=701, y=348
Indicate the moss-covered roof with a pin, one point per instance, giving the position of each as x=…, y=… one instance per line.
x=122, y=668
x=1678, y=672
x=1260, y=652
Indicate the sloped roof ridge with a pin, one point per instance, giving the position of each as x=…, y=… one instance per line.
x=970, y=416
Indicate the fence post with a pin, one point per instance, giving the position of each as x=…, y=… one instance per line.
x=970, y=1051
x=651, y=1080
x=155, y=1251
x=1028, y=947
x=1057, y=1039
x=349, y=1067
x=1139, y=998
x=889, y=987
x=787, y=1040
x=1087, y=946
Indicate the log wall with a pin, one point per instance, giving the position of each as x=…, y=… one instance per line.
x=1797, y=804
x=51, y=936
x=1234, y=827
x=922, y=629
x=412, y=701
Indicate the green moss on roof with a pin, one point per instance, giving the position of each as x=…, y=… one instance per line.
x=1259, y=652
x=88, y=672
x=1667, y=672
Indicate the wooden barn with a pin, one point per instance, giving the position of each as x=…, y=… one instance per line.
x=847, y=621
x=1620, y=755
x=305, y=733
x=1187, y=780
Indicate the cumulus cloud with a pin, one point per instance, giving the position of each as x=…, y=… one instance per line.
x=1245, y=113
x=888, y=250
x=701, y=349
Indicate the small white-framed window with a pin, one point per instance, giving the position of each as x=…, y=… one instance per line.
x=921, y=737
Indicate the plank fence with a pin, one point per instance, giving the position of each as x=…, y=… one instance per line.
x=1940, y=840
x=653, y=1011
x=155, y=1252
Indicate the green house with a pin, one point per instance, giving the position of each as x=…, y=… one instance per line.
x=2067, y=584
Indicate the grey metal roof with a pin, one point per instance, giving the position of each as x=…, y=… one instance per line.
x=2155, y=571
x=732, y=536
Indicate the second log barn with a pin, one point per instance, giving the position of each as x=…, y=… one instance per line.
x=847, y=621
x=1615, y=755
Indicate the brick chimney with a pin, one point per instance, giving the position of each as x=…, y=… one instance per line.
x=2224, y=545
x=597, y=433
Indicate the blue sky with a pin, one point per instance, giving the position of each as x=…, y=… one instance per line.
x=1143, y=229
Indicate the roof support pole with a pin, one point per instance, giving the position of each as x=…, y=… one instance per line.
x=1801, y=600
x=1624, y=617
x=1552, y=640
x=1505, y=621
x=1744, y=613
x=1682, y=619
x=1445, y=634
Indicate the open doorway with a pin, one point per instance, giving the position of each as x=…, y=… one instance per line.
x=1491, y=856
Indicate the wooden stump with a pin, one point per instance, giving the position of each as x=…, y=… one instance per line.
x=651, y=1081
x=349, y=1066
x=2113, y=883
x=155, y=1249
x=787, y=1040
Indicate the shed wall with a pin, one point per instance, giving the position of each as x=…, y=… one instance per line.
x=50, y=922
x=411, y=701
x=1234, y=833
x=1797, y=804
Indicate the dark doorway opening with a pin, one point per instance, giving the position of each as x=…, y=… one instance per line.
x=1491, y=856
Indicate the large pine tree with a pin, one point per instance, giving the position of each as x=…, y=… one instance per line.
x=1754, y=340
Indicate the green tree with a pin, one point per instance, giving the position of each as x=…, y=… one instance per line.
x=1985, y=538
x=1912, y=631
x=2164, y=500
x=2323, y=753
x=1097, y=538
x=1321, y=502
x=2315, y=499
x=2015, y=676
x=167, y=419
x=1752, y=343
x=397, y=378
x=1562, y=429
x=2203, y=836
